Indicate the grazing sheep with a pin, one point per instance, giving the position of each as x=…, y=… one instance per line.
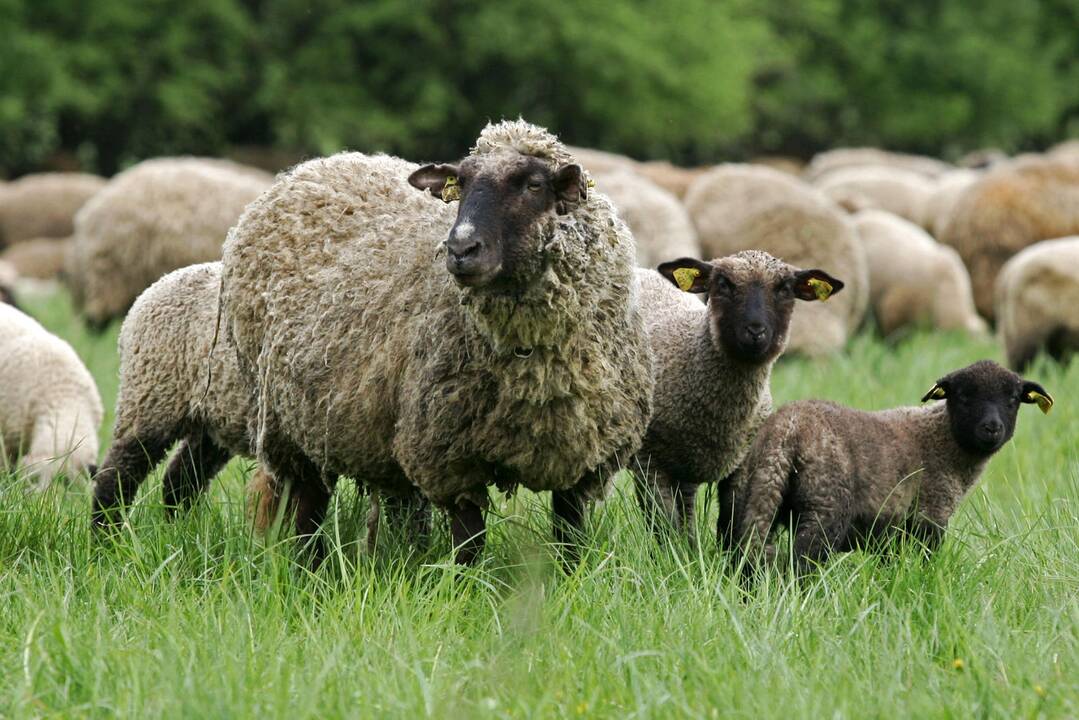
x=50, y=409
x=914, y=279
x=175, y=384
x=1037, y=297
x=832, y=160
x=713, y=368
x=39, y=258
x=1011, y=207
x=842, y=478
x=901, y=192
x=43, y=205
x=950, y=186
x=391, y=343
x=153, y=218
x=744, y=207
x=600, y=161
x=672, y=178
x=660, y=224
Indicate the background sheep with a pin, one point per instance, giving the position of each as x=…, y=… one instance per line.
x=1011, y=207
x=713, y=368
x=43, y=205
x=672, y=178
x=525, y=364
x=1037, y=301
x=8, y=278
x=50, y=409
x=842, y=477
x=151, y=219
x=39, y=258
x=660, y=224
x=912, y=278
x=948, y=189
x=175, y=384
x=831, y=160
x=899, y=191
x=743, y=207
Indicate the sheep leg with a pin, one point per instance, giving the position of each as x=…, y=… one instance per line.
x=408, y=514
x=655, y=496
x=126, y=465
x=567, y=525
x=818, y=533
x=195, y=462
x=469, y=531
x=725, y=525
x=309, y=501
x=928, y=532
x=685, y=503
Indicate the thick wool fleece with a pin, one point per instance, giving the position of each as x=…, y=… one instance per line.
x=660, y=224
x=743, y=207
x=50, y=410
x=153, y=218
x=901, y=192
x=1011, y=207
x=1037, y=301
x=43, y=205
x=371, y=362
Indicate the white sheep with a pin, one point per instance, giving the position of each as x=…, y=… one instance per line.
x=43, y=205
x=899, y=191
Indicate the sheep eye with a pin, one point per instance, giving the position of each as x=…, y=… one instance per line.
x=724, y=285
x=784, y=290
x=534, y=185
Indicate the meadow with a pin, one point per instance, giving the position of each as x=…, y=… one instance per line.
x=202, y=618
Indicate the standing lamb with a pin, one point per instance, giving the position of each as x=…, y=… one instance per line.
x=743, y=207
x=901, y=192
x=1037, y=301
x=1011, y=207
x=392, y=343
x=43, y=205
x=713, y=368
x=843, y=478
x=149, y=220
x=50, y=409
x=914, y=279
x=660, y=224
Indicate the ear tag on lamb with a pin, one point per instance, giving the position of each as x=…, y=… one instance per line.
x=935, y=393
x=685, y=276
x=451, y=190
x=1045, y=403
x=821, y=288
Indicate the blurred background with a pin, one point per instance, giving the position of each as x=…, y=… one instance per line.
x=97, y=85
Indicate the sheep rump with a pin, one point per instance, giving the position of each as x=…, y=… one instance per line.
x=44, y=205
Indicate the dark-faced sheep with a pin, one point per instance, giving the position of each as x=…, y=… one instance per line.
x=843, y=478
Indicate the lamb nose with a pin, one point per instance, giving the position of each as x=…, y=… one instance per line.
x=993, y=427
x=756, y=329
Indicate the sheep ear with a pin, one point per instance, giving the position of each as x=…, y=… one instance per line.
x=570, y=187
x=441, y=180
x=937, y=392
x=815, y=285
x=688, y=274
x=1035, y=393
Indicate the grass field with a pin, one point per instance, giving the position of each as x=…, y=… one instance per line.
x=199, y=618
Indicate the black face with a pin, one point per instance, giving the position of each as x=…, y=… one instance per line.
x=501, y=199
x=983, y=402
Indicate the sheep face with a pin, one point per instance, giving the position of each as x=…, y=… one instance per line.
x=983, y=401
x=751, y=298
x=503, y=197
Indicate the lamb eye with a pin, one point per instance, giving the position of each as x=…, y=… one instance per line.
x=784, y=290
x=724, y=285
x=534, y=185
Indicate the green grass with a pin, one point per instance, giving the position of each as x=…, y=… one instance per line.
x=199, y=618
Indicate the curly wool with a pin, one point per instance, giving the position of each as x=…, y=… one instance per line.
x=660, y=224
x=373, y=363
x=43, y=205
x=742, y=207
x=50, y=409
x=153, y=218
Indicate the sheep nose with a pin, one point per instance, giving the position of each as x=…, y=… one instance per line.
x=462, y=248
x=993, y=428
x=755, y=329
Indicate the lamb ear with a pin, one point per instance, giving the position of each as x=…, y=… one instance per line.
x=441, y=180
x=815, y=285
x=1034, y=393
x=570, y=187
x=937, y=392
x=688, y=274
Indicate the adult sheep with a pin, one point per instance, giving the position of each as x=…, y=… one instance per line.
x=914, y=279
x=1037, y=294
x=38, y=258
x=50, y=409
x=1011, y=207
x=948, y=189
x=899, y=191
x=841, y=158
x=660, y=224
x=742, y=207
x=393, y=343
x=43, y=205
x=153, y=218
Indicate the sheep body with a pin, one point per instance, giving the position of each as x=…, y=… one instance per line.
x=839, y=158
x=44, y=205
x=660, y=224
x=50, y=409
x=38, y=258
x=947, y=191
x=901, y=192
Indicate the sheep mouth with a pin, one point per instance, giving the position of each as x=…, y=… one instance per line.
x=474, y=278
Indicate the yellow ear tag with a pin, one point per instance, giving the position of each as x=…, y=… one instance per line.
x=591, y=183
x=935, y=393
x=822, y=288
x=1045, y=403
x=685, y=276
x=450, y=190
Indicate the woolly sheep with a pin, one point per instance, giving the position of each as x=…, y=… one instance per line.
x=600, y=161
x=1067, y=151
x=660, y=224
x=1037, y=297
x=713, y=368
x=1010, y=208
x=947, y=191
x=743, y=207
x=39, y=258
x=843, y=478
x=672, y=178
x=392, y=343
x=175, y=384
x=50, y=409
x=43, y=205
x=153, y=218
x=832, y=160
x=901, y=192
x=913, y=278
